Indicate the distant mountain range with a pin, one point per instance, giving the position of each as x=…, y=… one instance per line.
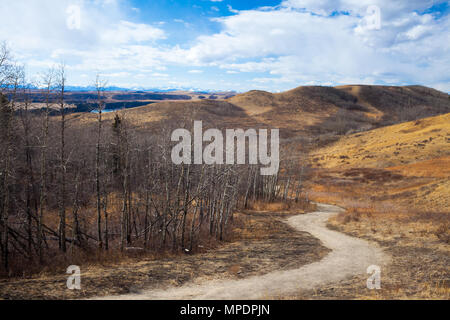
x=137, y=89
x=144, y=89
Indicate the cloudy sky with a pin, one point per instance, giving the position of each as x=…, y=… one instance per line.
x=233, y=45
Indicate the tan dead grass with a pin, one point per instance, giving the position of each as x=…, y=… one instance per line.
x=253, y=248
x=397, y=145
x=416, y=238
x=394, y=182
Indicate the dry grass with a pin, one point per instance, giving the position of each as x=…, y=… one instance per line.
x=392, y=146
x=418, y=243
x=443, y=232
x=283, y=207
x=305, y=112
x=416, y=239
x=434, y=168
x=376, y=175
x=373, y=112
x=253, y=248
x=394, y=183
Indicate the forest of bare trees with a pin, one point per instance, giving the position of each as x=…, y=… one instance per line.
x=66, y=190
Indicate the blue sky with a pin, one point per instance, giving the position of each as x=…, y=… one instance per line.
x=233, y=45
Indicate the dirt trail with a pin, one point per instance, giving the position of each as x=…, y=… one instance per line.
x=356, y=91
x=349, y=257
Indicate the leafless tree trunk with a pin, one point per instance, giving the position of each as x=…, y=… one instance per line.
x=299, y=184
x=76, y=222
x=105, y=210
x=100, y=87
x=7, y=118
x=24, y=115
x=62, y=159
x=48, y=82
x=187, y=184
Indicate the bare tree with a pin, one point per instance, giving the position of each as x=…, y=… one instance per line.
x=30, y=196
x=127, y=192
x=100, y=86
x=6, y=173
x=47, y=80
x=5, y=67
x=62, y=159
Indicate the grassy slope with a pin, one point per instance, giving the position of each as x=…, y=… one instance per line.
x=253, y=248
x=304, y=111
x=411, y=159
x=394, y=182
x=390, y=146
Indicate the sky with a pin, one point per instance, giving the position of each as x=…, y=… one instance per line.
x=233, y=45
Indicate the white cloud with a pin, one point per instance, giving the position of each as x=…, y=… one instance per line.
x=195, y=71
x=296, y=46
x=160, y=75
x=390, y=9
x=128, y=32
x=186, y=24
x=117, y=74
x=106, y=41
x=297, y=42
x=230, y=8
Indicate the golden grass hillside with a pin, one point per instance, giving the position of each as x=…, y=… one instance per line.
x=391, y=146
x=395, y=184
x=340, y=109
x=157, y=117
x=407, y=164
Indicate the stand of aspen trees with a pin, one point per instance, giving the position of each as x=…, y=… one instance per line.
x=109, y=187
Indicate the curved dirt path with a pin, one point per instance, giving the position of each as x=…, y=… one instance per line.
x=349, y=257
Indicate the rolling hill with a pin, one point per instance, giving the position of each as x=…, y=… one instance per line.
x=304, y=111
x=397, y=145
x=340, y=109
x=407, y=163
